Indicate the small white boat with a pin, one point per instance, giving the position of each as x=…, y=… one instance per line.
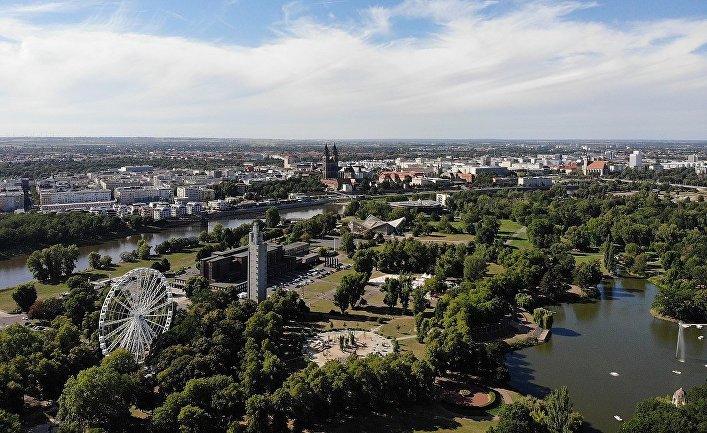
x=677, y=372
x=701, y=337
x=618, y=418
x=613, y=373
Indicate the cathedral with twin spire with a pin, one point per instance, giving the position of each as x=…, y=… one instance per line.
x=330, y=163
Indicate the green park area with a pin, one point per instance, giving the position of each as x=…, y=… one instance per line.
x=46, y=290
x=414, y=354
x=417, y=419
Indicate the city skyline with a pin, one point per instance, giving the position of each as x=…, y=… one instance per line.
x=337, y=69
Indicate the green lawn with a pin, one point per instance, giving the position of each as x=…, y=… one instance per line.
x=520, y=243
x=399, y=326
x=520, y=240
x=585, y=257
x=508, y=227
x=447, y=237
x=317, y=287
x=416, y=419
x=336, y=277
x=44, y=291
x=508, y=232
x=456, y=224
x=412, y=345
x=495, y=268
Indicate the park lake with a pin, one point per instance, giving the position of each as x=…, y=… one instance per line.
x=614, y=334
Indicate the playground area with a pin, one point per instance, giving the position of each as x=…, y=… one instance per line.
x=339, y=345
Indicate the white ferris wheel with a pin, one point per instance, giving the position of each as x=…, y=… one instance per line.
x=137, y=309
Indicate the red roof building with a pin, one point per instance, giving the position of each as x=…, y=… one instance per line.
x=597, y=168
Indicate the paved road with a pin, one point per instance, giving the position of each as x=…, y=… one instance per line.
x=8, y=319
x=504, y=394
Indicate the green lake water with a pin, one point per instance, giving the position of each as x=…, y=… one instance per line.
x=614, y=334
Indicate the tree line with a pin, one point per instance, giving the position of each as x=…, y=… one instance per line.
x=274, y=189
x=20, y=232
x=660, y=415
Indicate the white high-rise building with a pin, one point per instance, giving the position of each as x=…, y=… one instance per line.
x=634, y=159
x=142, y=194
x=10, y=201
x=68, y=196
x=257, y=265
x=195, y=193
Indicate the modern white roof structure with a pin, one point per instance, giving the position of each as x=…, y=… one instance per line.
x=376, y=224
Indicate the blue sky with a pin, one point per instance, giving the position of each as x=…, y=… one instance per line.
x=355, y=69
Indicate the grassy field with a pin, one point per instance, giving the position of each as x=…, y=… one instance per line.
x=44, y=291
x=447, y=237
x=399, y=326
x=585, y=257
x=373, y=315
x=520, y=241
x=456, y=224
x=495, y=268
x=508, y=231
x=418, y=419
x=412, y=345
x=508, y=227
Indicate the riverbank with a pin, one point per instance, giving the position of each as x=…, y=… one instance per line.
x=160, y=226
x=657, y=315
x=83, y=242
x=260, y=210
x=14, y=270
x=177, y=261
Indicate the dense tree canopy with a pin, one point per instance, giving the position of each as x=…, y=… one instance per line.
x=659, y=415
x=554, y=414
x=32, y=230
x=54, y=262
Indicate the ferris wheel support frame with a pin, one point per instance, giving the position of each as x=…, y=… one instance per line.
x=137, y=309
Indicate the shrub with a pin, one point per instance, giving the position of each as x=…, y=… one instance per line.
x=46, y=309
x=128, y=256
x=524, y=300
x=25, y=295
x=76, y=281
x=543, y=317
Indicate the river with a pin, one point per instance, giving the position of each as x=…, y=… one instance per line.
x=14, y=270
x=614, y=334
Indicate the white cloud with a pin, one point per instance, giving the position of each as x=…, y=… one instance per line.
x=441, y=10
x=377, y=20
x=38, y=8
x=532, y=72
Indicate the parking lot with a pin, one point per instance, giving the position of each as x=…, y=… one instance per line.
x=298, y=280
x=8, y=319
